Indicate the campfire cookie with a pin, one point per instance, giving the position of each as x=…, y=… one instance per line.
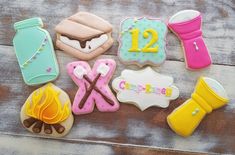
x=47, y=111
x=93, y=86
x=142, y=41
x=84, y=35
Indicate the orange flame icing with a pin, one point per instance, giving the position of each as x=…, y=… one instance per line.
x=45, y=105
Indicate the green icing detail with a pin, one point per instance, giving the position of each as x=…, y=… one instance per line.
x=142, y=25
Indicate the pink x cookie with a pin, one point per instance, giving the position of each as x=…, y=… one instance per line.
x=93, y=86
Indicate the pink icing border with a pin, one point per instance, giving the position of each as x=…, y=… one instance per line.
x=134, y=61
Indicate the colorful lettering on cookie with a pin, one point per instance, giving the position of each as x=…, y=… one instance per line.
x=93, y=86
x=142, y=41
x=148, y=47
x=145, y=88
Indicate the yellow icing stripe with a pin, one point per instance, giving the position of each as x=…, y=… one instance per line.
x=202, y=102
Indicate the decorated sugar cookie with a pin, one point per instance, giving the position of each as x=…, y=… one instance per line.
x=142, y=41
x=145, y=88
x=47, y=111
x=207, y=96
x=186, y=25
x=84, y=35
x=93, y=86
x=35, y=52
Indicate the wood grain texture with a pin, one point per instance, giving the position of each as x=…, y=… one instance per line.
x=18, y=144
x=128, y=125
x=218, y=20
x=127, y=131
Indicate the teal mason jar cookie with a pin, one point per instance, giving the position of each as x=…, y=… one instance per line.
x=34, y=51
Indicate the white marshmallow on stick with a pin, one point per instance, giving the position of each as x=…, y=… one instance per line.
x=79, y=71
x=103, y=69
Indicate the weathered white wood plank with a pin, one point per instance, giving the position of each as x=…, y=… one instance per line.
x=21, y=145
x=27, y=145
x=128, y=125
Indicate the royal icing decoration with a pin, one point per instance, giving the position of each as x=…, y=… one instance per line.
x=36, y=53
x=142, y=41
x=186, y=25
x=84, y=35
x=89, y=46
x=93, y=86
x=50, y=110
x=48, y=107
x=145, y=88
x=207, y=96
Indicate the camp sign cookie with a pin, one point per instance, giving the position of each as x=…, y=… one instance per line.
x=142, y=41
x=145, y=88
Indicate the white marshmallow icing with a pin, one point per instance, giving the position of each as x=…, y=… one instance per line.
x=103, y=69
x=90, y=45
x=79, y=71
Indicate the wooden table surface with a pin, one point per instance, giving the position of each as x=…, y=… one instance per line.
x=127, y=131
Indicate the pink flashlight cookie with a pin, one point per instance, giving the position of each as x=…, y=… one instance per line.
x=186, y=25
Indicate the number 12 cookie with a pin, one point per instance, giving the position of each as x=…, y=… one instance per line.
x=142, y=41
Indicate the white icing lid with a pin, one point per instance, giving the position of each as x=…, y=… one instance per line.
x=184, y=16
x=216, y=86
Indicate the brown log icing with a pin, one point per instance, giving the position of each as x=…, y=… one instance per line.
x=47, y=128
x=59, y=128
x=29, y=122
x=37, y=127
x=111, y=102
x=88, y=92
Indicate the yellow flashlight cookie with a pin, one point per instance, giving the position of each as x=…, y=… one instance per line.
x=207, y=96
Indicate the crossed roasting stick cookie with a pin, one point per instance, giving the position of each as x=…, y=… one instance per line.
x=93, y=86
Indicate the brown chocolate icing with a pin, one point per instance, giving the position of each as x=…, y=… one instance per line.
x=83, y=42
x=111, y=102
x=89, y=90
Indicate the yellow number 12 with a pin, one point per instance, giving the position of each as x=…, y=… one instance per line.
x=147, y=47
